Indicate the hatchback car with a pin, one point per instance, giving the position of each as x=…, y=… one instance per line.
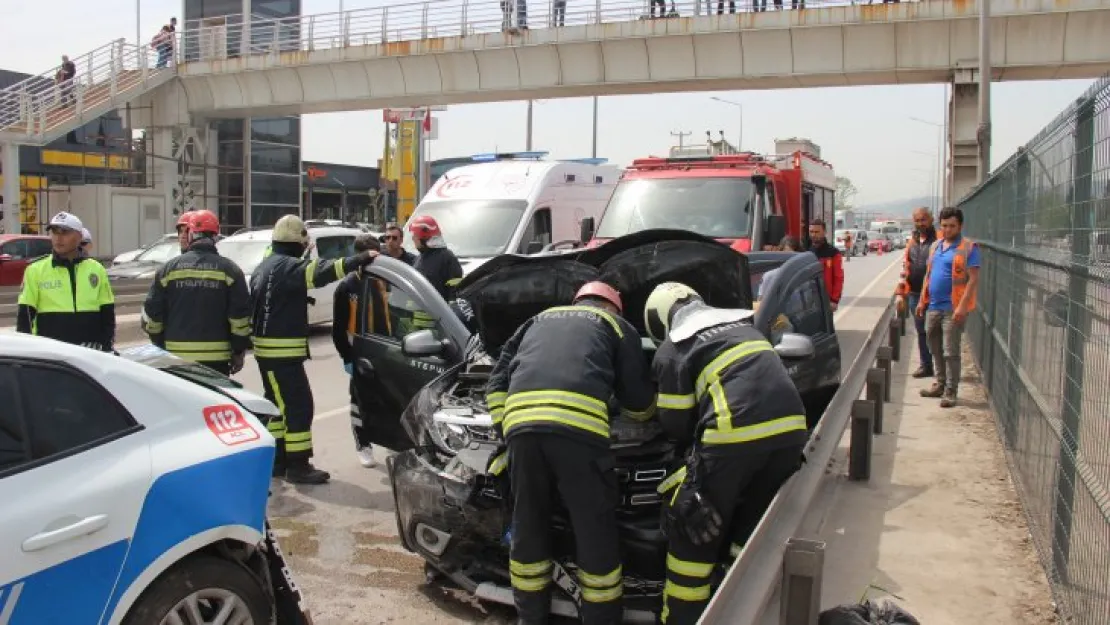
x=878, y=242
x=16, y=252
x=248, y=248
x=137, y=488
x=147, y=262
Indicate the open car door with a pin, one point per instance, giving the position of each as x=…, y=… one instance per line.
x=406, y=336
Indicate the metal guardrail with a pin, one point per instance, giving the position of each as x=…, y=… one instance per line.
x=773, y=555
x=9, y=294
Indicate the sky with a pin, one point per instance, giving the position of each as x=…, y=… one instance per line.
x=866, y=132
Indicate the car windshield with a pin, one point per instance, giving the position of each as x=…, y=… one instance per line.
x=160, y=252
x=475, y=228
x=713, y=207
x=247, y=253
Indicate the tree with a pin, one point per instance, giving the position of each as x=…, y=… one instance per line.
x=845, y=191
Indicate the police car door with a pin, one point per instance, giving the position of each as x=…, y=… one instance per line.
x=74, y=471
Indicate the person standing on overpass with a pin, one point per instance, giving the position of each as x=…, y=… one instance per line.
x=947, y=298
x=831, y=260
x=914, y=265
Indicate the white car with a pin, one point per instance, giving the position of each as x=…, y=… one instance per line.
x=248, y=249
x=127, y=257
x=134, y=491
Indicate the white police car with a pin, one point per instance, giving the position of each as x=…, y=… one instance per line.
x=133, y=490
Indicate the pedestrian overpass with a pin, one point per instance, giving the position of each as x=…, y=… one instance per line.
x=466, y=51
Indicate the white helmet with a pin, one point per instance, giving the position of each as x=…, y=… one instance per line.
x=290, y=229
x=661, y=305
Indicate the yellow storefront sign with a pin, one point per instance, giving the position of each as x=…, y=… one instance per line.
x=63, y=158
x=30, y=187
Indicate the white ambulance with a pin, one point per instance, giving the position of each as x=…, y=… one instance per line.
x=516, y=203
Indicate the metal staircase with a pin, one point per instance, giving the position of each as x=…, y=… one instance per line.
x=39, y=109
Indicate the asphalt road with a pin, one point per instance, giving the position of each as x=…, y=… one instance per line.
x=341, y=537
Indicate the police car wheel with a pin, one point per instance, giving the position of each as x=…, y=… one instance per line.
x=202, y=591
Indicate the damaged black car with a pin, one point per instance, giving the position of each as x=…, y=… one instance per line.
x=421, y=375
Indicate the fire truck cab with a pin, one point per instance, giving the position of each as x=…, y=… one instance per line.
x=743, y=199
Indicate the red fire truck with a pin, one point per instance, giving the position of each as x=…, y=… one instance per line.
x=743, y=199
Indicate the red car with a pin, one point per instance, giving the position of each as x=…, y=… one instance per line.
x=16, y=252
x=877, y=241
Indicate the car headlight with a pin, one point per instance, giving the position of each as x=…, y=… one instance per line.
x=449, y=437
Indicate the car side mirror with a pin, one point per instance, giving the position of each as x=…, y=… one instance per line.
x=795, y=346
x=586, y=229
x=774, y=229
x=5, y=258
x=421, y=343
x=534, y=247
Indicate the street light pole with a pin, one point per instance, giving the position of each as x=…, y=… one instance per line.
x=984, y=90
x=138, y=22
x=594, y=151
x=740, y=140
x=528, y=130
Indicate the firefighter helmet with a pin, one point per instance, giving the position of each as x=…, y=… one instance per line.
x=290, y=229
x=424, y=227
x=661, y=306
x=184, y=220
x=602, y=291
x=204, y=222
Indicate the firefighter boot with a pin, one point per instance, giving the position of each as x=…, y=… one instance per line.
x=302, y=472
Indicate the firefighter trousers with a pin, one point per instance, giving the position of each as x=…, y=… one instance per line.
x=359, y=428
x=750, y=480
x=543, y=467
x=286, y=384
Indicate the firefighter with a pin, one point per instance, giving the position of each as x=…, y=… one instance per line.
x=724, y=392
x=183, y=230
x=198, y=307
x=279, y=324
x=67, y=296
x=436, y=263
x=344, y=326
x=555, y=420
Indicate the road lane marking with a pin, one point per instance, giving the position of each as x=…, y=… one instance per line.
x=865, y=291
x=332, y=413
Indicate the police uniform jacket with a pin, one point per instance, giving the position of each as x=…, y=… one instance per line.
x=279, y=300
x=558, y=371
x=198, y=306
x=726, y=388
x=68, y=300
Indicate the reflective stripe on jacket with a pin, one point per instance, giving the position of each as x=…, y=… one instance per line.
x=960, y=275
x=727, y=388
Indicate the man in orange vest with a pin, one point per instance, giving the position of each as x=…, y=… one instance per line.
x=948, y=296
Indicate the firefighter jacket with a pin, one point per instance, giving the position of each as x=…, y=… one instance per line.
x=833, y=263
x=348, y=304
x=558, y=371
x=441, y=267
x=915, y=261
x=279, y=300
x=68, y=300
x=725, y=389
x=198, y=307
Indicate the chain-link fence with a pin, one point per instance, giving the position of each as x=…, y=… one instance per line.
x=1042, y=337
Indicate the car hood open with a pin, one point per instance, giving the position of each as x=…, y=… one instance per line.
x=509, y=289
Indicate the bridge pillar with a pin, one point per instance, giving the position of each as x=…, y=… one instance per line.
x=9, y=153
x=963, y=143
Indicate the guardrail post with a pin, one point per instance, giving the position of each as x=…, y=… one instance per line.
x=894, y=338
x=876, y=381
x=859, y=452
x=884, y=355
x=904, y=316
x=803, y=566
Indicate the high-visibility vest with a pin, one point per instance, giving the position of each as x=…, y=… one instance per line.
x=960, y=275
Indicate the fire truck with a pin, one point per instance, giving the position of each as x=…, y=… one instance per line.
x=743, y=199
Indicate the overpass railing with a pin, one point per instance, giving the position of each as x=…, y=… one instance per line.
x=1041, y=335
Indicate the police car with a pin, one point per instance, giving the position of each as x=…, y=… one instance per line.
x=133, y=491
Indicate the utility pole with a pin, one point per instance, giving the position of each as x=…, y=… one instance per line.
x=984, y=134
x=681, y=137
x=528, y=141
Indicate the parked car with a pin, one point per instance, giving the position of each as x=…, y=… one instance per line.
x=147, y=263
x=127, y=257
x=859, y=242
x=877, y=241
x=248, y=248
x=424, y=390
x=141, y=484
x=16, y=252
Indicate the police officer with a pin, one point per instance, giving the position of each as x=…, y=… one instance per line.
x=556, y=422
x=344, y=326
x=723, y=391
x=86, y=242
x=67, y=296
x=436, y=263
x=279, y=309
x=198, y=307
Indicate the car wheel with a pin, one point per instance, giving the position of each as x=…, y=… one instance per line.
x=202, y=590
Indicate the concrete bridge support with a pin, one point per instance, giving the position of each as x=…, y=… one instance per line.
x=963, y=142
x=9, y=153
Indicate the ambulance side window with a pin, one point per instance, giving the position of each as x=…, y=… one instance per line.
x=538, y=232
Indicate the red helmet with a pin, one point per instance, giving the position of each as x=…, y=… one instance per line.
x=204, y=222
x=602, y=291
x=424, y=227
x=184, y=221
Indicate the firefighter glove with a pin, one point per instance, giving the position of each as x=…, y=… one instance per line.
x=236, y=363
x=696, y=517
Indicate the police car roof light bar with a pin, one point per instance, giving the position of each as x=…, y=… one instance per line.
x=508, y=156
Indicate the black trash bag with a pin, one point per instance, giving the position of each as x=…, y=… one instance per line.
x=867, y=613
